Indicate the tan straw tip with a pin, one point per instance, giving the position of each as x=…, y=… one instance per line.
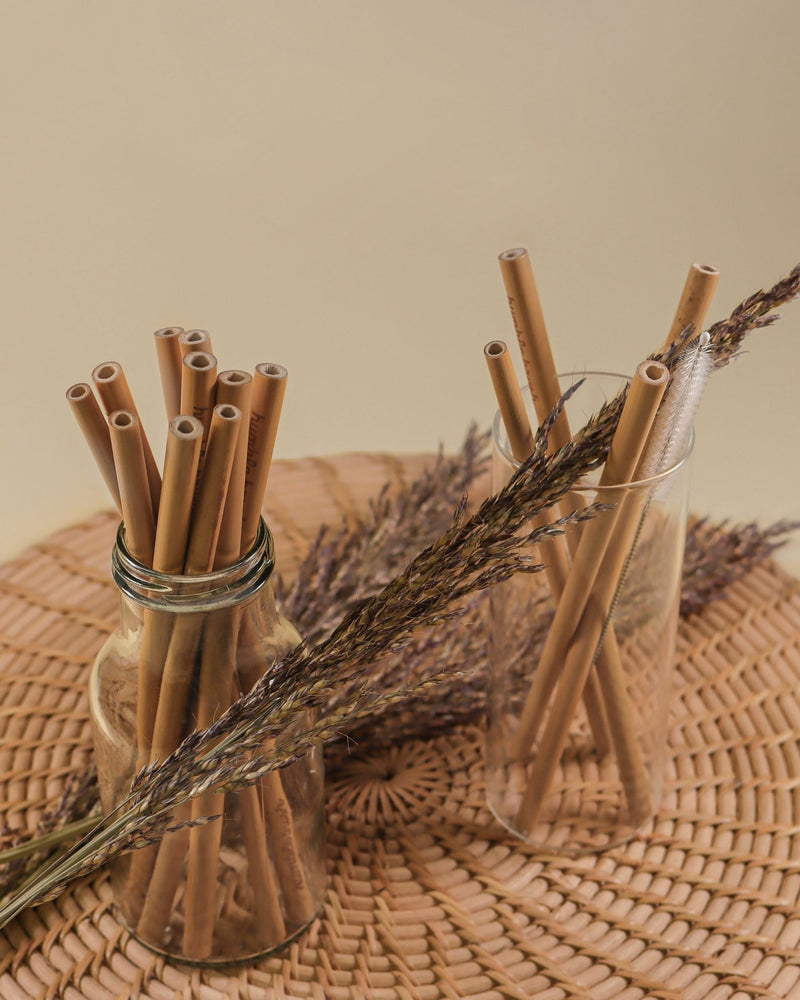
x=78, y=392
x=270, y=370
x=227, y=411
x=234, y=378
x=122, y=419
x=186, y=427
x=200, y=361
x=515, y=254
x=706, y=268
x=495, y=349
x=106, y=371
x=194, y=340
x=653, y=373
x=168, y=333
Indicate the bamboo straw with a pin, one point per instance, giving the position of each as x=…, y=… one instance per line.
x=216, y=676
x=198, y=386
x=94, y=427
x=181, y=463
x=644, y=396
x=534, y=343
x=553, y=553
x=195, y=340
x=509, y=399
x=168, y=351
x=180, y=470
x=134, y=489
x=269, y=388
x=234, y=387
x=214, y=697
x=698, y=291
x=115, y=394
x=201, y=548
x=178, y=670
x=545, y=390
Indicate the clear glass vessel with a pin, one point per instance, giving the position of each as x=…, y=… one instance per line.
x=249, y=881
x=606, y=781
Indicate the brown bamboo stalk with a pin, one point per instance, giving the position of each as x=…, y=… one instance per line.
x=198, y=386
x=509, y=399
x=181, y=464
x=215, y=684
x=267, y=394
x=269, y=388
x=214, y=693
x=545, y=390
x=112, y=387
x=698, y=291
x=172, y=528
x=534, y=342
x=137, y=514
x=644, y=396
x=168, y=352
x=93, y=425
x=134, y=490
x=201, y=547
x=234, y=387
x=173, y=701
x=553, y=553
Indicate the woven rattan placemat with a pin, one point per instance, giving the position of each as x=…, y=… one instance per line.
x=428, y=898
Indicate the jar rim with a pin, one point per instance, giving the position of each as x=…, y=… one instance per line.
x=218, y=588
x=501, y=443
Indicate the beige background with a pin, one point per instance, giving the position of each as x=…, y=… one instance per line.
x=327, y=185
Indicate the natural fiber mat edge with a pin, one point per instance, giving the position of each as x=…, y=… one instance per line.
x=427, y=897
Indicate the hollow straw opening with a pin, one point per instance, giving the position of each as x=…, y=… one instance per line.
x=78, y=392
x=707, y=268
x=195, y=336
x=186, y=427
x=271, y=370
x=106, y=371
x=513, y=254
x=501, y=443
x=495, y=349
x=168, y=332
x=227, y=410
x=233, y=378
x=122, y=418
x=654, y=373
x=199, y=360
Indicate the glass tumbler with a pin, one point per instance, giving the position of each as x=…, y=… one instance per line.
x=604, y=698
x=245, y=883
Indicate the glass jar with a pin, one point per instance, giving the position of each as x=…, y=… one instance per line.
x=247, y=882
x=606, y=782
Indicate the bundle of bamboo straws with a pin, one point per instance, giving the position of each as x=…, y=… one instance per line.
x=581, y=658
x=203, y=515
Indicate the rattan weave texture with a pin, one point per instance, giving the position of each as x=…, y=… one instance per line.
x=428, y=898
